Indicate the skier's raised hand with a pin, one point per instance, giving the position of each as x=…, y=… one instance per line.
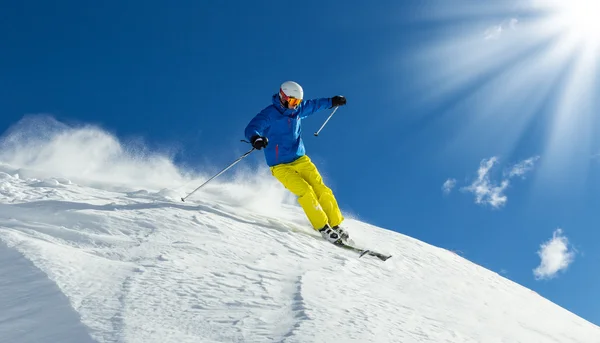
x=338, y=100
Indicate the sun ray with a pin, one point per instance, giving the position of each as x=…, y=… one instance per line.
x=510, y=67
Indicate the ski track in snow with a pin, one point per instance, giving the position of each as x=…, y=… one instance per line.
x=139, y=266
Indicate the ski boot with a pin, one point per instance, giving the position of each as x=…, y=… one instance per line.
x=343, y=234
x=330, y=235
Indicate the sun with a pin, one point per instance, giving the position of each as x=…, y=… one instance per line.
x=526, y=72
x=580, y=18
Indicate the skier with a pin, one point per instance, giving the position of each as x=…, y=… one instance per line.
x=277, y=129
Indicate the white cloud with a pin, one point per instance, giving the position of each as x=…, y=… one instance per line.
x=448, y=186
x=555, y=256
x=486, y=192
x=496, y=196
x=523, y=167
x=496, y=31
x=492, y=193
x=493, y=32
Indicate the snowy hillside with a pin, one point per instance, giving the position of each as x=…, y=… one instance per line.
x=96, y=247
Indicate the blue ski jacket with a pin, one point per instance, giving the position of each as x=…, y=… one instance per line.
x=283, y=129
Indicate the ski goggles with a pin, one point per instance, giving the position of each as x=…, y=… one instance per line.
x=291, y=101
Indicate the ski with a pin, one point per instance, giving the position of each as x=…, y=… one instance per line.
x=340, y=244
x=363, y=252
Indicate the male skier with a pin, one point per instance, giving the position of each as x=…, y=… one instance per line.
x=277, y=129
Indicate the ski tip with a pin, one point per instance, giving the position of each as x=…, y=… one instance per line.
x=316, y=134
x=182, y=199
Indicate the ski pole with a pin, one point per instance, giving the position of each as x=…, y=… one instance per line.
x=325, y=123
x=221, y=172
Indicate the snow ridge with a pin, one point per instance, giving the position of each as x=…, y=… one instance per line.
x=91, y=258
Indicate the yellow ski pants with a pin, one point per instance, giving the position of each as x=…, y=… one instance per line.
x=302, y=178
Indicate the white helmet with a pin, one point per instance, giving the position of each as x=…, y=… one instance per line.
x=290, y=90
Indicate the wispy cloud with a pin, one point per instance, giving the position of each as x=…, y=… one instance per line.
x=555, y=254
x=486, y=192
x=493, y=32
x=448, y=186
x=521, y=168
x=496, y=31
x=492, y=193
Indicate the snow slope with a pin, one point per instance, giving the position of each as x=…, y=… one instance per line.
x=108, y=254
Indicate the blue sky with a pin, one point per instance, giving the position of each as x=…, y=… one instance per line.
x=437, y=91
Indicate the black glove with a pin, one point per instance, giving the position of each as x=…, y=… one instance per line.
x=259, y=142
x=338, y=100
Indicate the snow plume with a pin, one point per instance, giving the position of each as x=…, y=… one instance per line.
x=252, y=188
x=41, y=147
x=448, y=186
x=489, y=192
x=555, y=256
